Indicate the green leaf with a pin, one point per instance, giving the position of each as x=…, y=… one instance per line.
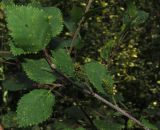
x=96, y=73
x=70, y=25
x=55, y=20
x=67, y=43
x=76, y=13
x=148, y=124
x=106, y=49
x=39, y=71
x=35, y=3
x=30, y=21
x=9, y=120
x=134, y=16
x=16, y=82
x=105, y=53
x=15, y=50
x=142, y=16
x=63, y=62
x=130, y=124
x=131, y=8
x=7, y=2
x=108, y=81
x=104, y=125
x=35, y=107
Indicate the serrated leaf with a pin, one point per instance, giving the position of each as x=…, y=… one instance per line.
x=106, y=125
x=55, y=20
x=28, y=28
x=63, y=62
x=9, y=120
x=96, y=73
x=35, y=3
x=7, y=2
x=108, y=80
x=16, y=82
x=39, y=71
x=35, y=107
x=15, y=50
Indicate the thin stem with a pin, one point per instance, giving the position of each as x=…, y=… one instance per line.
x=6, y=62
x=80, y=24
x=5, y=52
x=82, y=88
x=115, y=103
x=119, y=110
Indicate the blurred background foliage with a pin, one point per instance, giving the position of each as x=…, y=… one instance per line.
x=124, y=35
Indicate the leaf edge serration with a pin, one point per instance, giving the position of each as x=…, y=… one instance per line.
x=34, y=123
x=15, y=50
x=31, y=76
x=59, y=15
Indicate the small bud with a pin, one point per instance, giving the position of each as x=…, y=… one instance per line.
x=53, y=66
